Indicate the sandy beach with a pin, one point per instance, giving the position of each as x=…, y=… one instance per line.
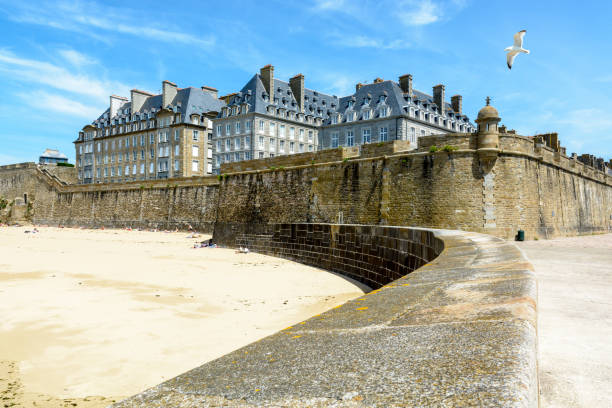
x=92, y=316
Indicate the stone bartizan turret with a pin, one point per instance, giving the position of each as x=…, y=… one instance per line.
x=488, y=133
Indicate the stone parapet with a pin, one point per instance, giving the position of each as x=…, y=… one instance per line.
x=458, y=331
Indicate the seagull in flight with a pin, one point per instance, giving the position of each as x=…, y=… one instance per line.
x=516, y=48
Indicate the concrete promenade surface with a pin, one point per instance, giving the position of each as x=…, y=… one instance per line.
x=574, y=319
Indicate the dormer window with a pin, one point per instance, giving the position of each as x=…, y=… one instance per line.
x=350, y=104
x=384, y=112
x=366, y=115
x=334, y=119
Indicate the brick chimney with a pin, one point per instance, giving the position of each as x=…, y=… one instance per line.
x=267, y=77
x=438, y=96
x=211, y=90
x=138, y=99
x=457, y=103
x=169, y=90
x=297, y=87
x=116, y=102
x=358, y=86
x=378, y=80
x=405, y=82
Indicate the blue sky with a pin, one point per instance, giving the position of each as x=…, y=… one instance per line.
x=60, y=61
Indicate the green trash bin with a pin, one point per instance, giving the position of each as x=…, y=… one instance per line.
x=520, y=236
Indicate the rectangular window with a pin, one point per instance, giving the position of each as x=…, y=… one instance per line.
x=228, y=128
x=127, y=142
x=176, y=165
x=237, y=143
x=291, y=147
x=412, y=135
x=236, y=156
x=142, y=140
x=310, y=136
x=219, y=127
x=261, y=142
x=195, y=151
x=301, y=135
x=152, y=153
x=272, y=144
x=237, y=128
x=151, y=168
x=350, y=138
x=261, y=155
x=247, y=155
x=196, y=136
x=118, y=171
x=151, y=139
x=334, y=139
x=247, y=142
x=176, y=150
x=310, y=148
x=134, y=169
x=422, y=132
x=334, y=119
x=383, y=134
x=247, y=125
x=106, y=172
x=281, y=146
x=301, y=148
x=366, y=115
x=219, y=146
x=366, y=135
x=291, y=133
x=112, y=172
x=228, y=145
x=142, y=168
x=261, y=125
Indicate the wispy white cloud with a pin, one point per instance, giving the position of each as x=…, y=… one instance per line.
x=607, y=78
x=76, y=58
x=364, y=41
x=330, y=4
x=86, y=18
x=419, y=12
x=60, y=104
x=587, y=120
x=44, y=73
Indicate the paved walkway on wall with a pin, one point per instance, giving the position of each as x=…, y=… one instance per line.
x=574, y=319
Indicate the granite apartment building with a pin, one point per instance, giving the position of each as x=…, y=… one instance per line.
x=150, y=136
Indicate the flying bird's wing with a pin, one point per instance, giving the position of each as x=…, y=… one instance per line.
x=510, y=58
x=518, y=38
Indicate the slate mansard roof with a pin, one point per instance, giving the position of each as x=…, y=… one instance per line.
x=187, y=101
x=254, y=94
x=394, y=98
x=323, y=106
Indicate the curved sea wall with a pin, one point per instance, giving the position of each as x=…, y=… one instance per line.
x=451, y=323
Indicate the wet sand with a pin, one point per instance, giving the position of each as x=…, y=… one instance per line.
x=92, y=316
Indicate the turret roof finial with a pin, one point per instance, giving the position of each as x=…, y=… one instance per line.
x=488, y=100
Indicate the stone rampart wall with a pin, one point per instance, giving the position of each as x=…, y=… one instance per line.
x=459, y=331
x=373, y=255
x=528, y=186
